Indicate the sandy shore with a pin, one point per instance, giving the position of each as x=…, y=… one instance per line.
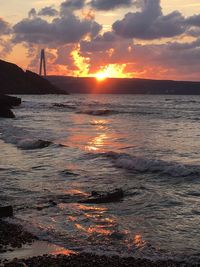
x=87, y=260
x=20, y=248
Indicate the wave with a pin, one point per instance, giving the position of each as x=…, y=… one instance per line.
x=26, y=139
x=98, y=112
x=66, y=106
x=142, y=165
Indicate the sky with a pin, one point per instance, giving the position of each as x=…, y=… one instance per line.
x=157, y=39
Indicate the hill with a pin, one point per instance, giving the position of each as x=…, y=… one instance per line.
x=13, y=80
x=125, y=86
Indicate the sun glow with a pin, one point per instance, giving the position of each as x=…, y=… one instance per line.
x=80, y=62
x=111, y=71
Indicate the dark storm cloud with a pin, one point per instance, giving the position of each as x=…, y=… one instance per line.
x=194, y=20
x=48, y=11
x=4, y=27
x=150, y=23
x=110, y=4
x=62, y=30
x=72, y=4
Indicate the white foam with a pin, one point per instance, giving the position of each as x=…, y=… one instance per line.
x=140, y=164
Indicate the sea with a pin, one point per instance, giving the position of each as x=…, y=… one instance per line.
x=146, y=145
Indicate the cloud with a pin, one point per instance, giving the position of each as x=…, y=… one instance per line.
x=4, y=27
x=5, y=47
x=72, y=5
x=62, y=30
x=194, y=20
x=171, y=60
x=32, y=13
x=110, y=4
x=48, y=11
x=102, y=43
x=77, y=45
x=150, y=23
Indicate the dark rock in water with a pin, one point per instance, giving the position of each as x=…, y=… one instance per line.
x=6, y=103
x=6, y=112
x=9, y=101
x=6, y=211
x=98, y=198
x=68, y=173
x=34, y=144
x=43, y=143
x=59, y=105
x=50, y=204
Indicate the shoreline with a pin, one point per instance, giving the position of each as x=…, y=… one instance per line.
x=20, y=248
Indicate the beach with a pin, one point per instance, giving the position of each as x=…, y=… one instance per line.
x=61, y=158
x=14, y=240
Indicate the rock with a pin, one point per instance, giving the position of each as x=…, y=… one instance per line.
x=42, y=144
x=97, y=198
x=33, y=144
x=14, y=80
x=9, y=101
x=52, y=203
x=6, y=211
x=6, y=103
x=6, y=112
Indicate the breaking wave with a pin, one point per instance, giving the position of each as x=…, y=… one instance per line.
x=139, y=164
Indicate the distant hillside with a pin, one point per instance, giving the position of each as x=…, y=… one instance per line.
x=13, y=80
x=125, y=86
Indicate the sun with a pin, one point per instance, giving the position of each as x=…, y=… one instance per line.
x=101, y=76
x=111, y=71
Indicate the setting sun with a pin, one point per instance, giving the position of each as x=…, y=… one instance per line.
x=100, y=76
x=111, y=71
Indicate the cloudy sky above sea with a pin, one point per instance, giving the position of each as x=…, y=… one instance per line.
x=118, y=38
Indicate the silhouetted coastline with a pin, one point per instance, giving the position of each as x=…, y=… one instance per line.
x=14, y=80
x=80, y=85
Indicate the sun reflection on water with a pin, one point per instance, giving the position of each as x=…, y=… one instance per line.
x=66, y=252
x=76, y=192
x=91, y=208
x=96, y=137
x=96, y=143
x=138, y=241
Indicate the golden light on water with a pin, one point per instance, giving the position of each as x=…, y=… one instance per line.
x=75, y=192
x=98, y=138
x=97, y=229
x=66, y=252
x=138, y=241
x=99, y=222
x=97, y=142
x=91, y=208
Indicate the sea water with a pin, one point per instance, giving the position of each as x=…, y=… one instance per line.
x=149, y=146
